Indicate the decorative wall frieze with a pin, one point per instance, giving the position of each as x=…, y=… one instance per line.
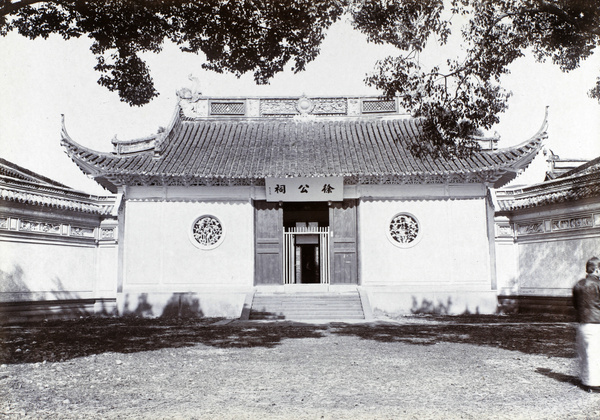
x=82, y=231
x=108, y=233
x=530, y=228
x=573, y=223
x=504, y=229
x=42, y=227
x=549, y=226
x=52, y=229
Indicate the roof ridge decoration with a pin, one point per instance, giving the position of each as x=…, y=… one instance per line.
x=368, y=148
x=196, y=106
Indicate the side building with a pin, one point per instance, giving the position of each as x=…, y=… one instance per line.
x=241, y=197
x=544, y=234
x=58, y=248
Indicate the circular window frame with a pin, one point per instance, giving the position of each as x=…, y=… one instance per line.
x=198, y=244
x=408, y=244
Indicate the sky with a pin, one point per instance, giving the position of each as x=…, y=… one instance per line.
x=43, y=79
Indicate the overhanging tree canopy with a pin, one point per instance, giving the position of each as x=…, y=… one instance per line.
x=458, y=96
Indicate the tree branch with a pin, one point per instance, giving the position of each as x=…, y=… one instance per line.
x=553, y=9
x=9, y=7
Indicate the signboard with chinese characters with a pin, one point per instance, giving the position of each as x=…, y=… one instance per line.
x=305, y=189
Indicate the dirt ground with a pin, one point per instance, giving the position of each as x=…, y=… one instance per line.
x=497, y=367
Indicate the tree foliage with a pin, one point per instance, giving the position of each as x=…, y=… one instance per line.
x=457, y=96
x=463, y=94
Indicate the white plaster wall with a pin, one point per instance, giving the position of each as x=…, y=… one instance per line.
x=160, y=257
x=107, y=271
x=43, y=271
x=552, y=267
x=453, y=253
x=507, y=273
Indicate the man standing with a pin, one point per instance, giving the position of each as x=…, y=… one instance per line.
x=586, y=299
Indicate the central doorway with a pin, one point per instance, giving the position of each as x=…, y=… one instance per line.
x=306, y=243
x=275, y=264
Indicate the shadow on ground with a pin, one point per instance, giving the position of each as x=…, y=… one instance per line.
x=549, y=339
x=561, y=377
x=63, y=340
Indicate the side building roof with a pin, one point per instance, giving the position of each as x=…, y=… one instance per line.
x=217, y=141
x=580, y=183
x=20, y=185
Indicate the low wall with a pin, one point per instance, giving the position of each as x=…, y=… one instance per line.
x=52, y=267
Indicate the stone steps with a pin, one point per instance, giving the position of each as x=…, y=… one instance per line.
x=305, y=306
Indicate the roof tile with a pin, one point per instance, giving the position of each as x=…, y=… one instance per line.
x=283, y=147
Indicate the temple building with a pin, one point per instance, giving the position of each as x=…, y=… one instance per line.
x=247, y=203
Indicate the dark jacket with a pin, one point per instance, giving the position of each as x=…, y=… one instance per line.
x=586, y=299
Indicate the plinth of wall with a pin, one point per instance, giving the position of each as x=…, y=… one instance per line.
x=393, y=301
x=226, y=304
x=540, y=305
x=26, y=311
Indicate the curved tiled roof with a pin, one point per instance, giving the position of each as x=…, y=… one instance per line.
x=255, y=148
x=21, y=185
x=580, y=183
x=12, y=170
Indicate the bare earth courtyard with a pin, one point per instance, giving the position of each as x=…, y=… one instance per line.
x=471, y=367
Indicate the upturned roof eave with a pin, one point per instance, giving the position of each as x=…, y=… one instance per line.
x=527, y=150
x=106, y=166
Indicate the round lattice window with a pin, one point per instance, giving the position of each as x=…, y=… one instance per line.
x=404, y=230
x=207, y=232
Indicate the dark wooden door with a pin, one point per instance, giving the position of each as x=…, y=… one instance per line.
x=344, y=258
x=268, y=234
